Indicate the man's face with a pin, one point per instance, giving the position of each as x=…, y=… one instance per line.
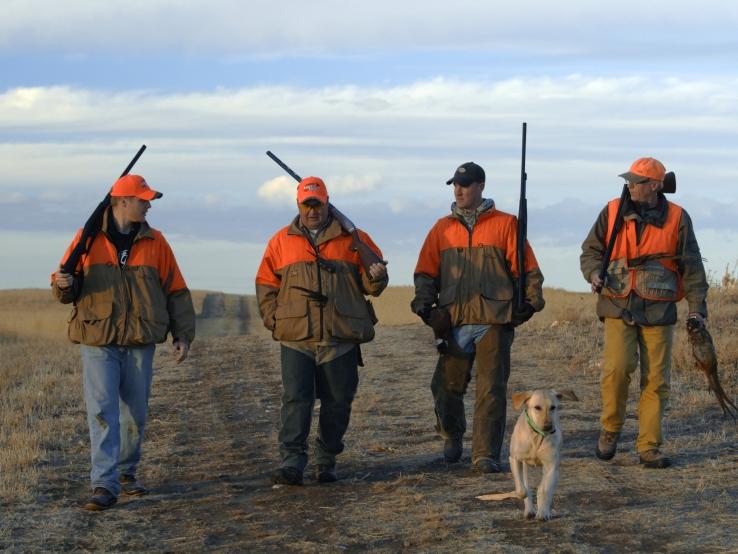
x=313, y=213
x=644, y=191
x=470, y=197
x=135, y=209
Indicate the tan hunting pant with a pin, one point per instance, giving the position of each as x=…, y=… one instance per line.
x=624, y=345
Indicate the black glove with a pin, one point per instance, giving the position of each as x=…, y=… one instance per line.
x=439, y=320
x=522, y=314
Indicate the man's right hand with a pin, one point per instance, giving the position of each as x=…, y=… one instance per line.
x=596, y=282
x=63, y=280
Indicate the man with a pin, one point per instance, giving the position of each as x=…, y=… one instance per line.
x=465, y=290
x=310, y=287
x=654, y=263
x=131, y=294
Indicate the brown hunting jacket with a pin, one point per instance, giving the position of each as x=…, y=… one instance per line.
x=314, y=292
x=472, y=273
x=133, y=305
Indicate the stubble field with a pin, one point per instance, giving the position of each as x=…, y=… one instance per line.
x=211, y=444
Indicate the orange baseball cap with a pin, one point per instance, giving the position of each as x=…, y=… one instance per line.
x=312, y=187
x=645, y=168
x=134, y=185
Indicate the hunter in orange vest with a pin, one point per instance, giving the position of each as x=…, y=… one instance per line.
x=655, y=262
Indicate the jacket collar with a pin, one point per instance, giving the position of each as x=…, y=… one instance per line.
x=486, y=208
x=330, y=231
x=655, y=216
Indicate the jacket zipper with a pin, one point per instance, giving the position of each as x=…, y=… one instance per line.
x=316, y=249
x=127, y=287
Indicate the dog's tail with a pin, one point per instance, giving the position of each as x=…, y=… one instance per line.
x=500, y=496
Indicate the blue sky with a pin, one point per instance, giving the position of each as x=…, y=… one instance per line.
x=383, y=100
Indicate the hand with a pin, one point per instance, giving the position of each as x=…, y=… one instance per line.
x=440, y=321
x=522, y=314
x=696, y=320
x=597, y=282
x=63, y=280
x=377, y=271
x=181, y=348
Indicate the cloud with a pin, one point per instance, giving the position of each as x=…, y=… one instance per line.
x=281, y=190
x=581, y=130
x=12, y=198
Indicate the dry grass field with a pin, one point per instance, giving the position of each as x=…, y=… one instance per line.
x=211, y=443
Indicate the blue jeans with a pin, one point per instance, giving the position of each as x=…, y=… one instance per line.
x=466, y=336
x=117, y=381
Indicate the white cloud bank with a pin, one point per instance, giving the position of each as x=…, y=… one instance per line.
x=407, y=139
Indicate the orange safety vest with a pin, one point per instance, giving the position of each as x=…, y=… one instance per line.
x=649, y=267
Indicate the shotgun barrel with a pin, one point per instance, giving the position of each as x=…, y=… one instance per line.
x=522, y=225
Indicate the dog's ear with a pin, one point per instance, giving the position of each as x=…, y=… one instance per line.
x=520, y=398
x=566, y=393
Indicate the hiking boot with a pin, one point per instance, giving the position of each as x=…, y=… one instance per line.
x=654, y=459
x=487, y=465
x=452, y=449
x=325, y=473
x=287, y=475
x=129, y=486
x=607, y=445
x=101, y=499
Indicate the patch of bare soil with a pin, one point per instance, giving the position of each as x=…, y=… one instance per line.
x=211, y=444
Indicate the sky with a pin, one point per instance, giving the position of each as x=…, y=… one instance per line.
x=383, y=100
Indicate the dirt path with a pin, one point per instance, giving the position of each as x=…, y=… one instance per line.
x=211, y=444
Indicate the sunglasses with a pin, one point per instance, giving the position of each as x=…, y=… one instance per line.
x=312, y=204
x=641, y=182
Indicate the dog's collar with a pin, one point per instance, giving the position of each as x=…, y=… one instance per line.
x=536, y=428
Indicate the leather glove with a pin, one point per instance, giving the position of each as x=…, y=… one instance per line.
x=522, y=314
x=439, y=320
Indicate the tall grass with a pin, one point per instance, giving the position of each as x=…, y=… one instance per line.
x=39, y=379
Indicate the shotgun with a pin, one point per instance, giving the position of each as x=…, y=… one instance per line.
x=89, y=232
x=366, y=254
x=522, y=226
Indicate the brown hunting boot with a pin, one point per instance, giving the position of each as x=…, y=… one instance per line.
x=101, y=499
x=129, y=486
x=654, y=459
x=607, y=445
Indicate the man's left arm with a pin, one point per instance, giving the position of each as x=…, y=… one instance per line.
x=179, y=303
x=691, y=268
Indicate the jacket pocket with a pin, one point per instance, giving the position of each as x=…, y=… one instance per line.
x=292, y=321
x=352, y=322
x=617, y=281
x=656, y=282
x=92, y=324
x=497, y=287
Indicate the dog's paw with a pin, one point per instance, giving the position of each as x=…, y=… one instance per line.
x=529, y=515
x=544, y=515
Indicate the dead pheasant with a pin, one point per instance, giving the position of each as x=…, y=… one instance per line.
x=705, y=358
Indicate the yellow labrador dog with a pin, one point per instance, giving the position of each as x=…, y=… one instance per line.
x=536, y=441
